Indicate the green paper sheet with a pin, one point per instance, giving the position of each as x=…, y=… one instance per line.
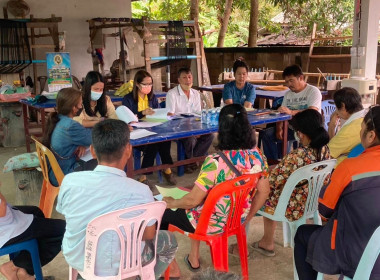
x=175, y=193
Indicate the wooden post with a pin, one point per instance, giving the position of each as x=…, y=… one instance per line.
x=311, y=47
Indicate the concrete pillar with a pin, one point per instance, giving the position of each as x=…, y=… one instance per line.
x=364, y=51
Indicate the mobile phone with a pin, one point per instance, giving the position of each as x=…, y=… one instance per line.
x=187, y=115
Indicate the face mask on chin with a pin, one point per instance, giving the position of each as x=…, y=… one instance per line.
x=79, y=111
x=95, y=95
x=186, y=87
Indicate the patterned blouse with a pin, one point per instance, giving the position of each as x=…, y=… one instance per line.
x=279, y=175
x=214, y=171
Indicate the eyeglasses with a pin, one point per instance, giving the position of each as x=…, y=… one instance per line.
x=146, y=85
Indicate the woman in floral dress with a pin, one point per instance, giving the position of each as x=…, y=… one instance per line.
x=237, y=142
x=309, y=131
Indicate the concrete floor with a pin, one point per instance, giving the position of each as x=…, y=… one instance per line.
x=279, y=267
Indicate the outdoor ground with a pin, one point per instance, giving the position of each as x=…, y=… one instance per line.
x=279, y=267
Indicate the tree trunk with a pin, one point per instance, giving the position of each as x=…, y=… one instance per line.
x=194, y=10
x=253, y=21
x=224, y=25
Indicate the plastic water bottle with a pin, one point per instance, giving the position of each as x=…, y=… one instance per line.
x=204, y=116
x=217, y=115
x=214, y=121
x=208, y=117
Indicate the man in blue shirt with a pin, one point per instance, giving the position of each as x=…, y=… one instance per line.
x=239, y=91
x=89, y=194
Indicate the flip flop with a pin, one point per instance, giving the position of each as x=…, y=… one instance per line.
x=234, y=255
x=268, y=253
x=170, y=278
x=187, y=262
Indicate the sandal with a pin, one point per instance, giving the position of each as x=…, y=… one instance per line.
x=236, y=255
x=268, y=253
x=187, y=262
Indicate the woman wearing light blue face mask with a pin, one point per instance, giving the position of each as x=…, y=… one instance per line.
x=96, y=104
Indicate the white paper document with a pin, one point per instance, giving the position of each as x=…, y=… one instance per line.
x=140, y=133
x=126, y=115
x=87, y=155
x=160, y=113
x=145, y=124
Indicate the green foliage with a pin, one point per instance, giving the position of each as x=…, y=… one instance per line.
x=334, y=17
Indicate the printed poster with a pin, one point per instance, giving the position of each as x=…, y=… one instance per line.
x=58, y=70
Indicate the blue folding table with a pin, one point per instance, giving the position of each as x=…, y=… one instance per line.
x=186, y=127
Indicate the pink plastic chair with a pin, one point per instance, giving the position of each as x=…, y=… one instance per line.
x=130, y=252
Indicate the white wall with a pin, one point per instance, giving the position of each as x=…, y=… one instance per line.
x=74, y=14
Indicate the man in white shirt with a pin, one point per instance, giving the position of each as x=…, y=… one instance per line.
x=89, y=194
x=301, y=96
x=184, y=100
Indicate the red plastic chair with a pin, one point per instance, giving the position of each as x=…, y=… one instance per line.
x=219, y=242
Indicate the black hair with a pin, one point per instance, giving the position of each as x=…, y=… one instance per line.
x=235, y=131
x=92, y=78
x=239, y=63
x=350, y=98
x=139, y=77
x=186, y=70
x=294, y=70
x=67, y=99
x=109, y=139
x=310, y=123
x=372, y=120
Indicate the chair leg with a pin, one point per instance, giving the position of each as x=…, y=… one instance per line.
x=167, y=273
x=33, y=250
x=243, y=251
x=73, y=274
x=286, y=234
x=219, y=253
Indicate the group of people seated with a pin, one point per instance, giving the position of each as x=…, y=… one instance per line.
x=88, y=118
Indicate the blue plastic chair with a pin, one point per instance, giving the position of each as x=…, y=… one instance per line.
x=32, y=247
x=367, y=261
x=327, y=107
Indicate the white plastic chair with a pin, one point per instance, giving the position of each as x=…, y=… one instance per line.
x=367, y=261
x=315, y=179
x=327, y=107
x=126, y=228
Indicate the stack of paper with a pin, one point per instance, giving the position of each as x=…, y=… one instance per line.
x=160, y=113
x=126, y=115
x=140, y=133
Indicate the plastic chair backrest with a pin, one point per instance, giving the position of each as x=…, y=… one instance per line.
x=48, y=191
x=237, y=195
x=315, y=174
x=130, y=251
x=43, y=154
x=369, y=257
x=327, y=107
x=367, y=260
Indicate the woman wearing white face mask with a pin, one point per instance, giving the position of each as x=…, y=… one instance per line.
x=141, y=101
x=96, y=104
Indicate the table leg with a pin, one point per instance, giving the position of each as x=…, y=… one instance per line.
x=285, y=139
x=43, y=120
x=26, y=127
